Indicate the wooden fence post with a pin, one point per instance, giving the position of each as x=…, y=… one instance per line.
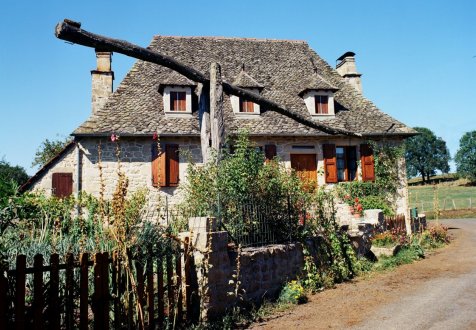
x=140, y=292
x=69, y=291
x=105, y=290
x=179, y=286
x=170, y=286
x=38, y=295
x=20, y=292
x=83, y=291
x=160, y=291
x=188, y=279
x=54, y=311
x=101, y=291
x=3, y=299
x=150, y=290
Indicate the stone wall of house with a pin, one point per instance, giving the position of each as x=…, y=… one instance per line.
x=134, y=155
x=65, y=164
x=294, y=145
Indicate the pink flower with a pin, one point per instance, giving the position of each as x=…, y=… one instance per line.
x=114, y=137
x=347, y=197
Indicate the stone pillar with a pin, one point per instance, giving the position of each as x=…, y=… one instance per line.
x=102, y=79
x=214, y=269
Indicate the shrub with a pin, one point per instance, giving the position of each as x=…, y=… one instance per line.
x=406, y=255
x=391, y=238
x=435, y=237
x=376, y=202
x=293, y=293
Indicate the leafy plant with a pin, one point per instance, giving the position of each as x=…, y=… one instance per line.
x=376, y=202
x=293, y=293
x=435, y=237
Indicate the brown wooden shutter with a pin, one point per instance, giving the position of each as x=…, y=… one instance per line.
x=155, y=164
x=324, y=102
x=330, y=163
x=269, y=152
x=172, y=164
x=367, y=162
x=62, y=184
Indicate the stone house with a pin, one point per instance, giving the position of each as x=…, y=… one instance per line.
x=156, y=102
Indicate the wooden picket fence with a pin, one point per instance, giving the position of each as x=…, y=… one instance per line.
x=395, y=222
x=71, y=295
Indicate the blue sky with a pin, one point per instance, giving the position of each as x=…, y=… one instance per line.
x=418, y=58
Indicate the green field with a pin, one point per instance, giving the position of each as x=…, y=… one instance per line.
x=451, y=196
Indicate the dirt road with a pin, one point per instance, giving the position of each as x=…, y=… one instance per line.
x=438, y=292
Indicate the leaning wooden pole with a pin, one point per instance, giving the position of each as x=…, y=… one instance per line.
x=71, y=31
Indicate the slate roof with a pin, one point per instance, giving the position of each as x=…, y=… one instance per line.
x=284, y=68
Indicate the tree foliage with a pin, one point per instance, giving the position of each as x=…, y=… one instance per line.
x=426, y=153
x=49, y=149
x=10, y=178
x=465, y=158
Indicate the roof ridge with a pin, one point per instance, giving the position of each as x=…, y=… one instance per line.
x=232, y=38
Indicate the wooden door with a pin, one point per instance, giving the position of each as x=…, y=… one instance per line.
x=62, y=184
x=305, y=166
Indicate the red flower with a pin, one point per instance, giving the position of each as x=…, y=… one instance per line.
x=356, y=199
x=155, y=136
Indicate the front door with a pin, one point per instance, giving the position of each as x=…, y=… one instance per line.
x=305, y=166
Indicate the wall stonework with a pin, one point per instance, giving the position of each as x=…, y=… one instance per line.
x=135, y=162
x=135, y=156
x=261, y=271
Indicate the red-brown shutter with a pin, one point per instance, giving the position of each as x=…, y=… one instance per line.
x=155, y=164
x=367, y=162
x=62, y=184
x=269, y=152
x=330, y=163
x=324, y=102
x=172, y=166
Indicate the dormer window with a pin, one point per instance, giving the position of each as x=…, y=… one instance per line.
x=322, y=104
x=177, y=100
x=241, y=105
x=319, y=97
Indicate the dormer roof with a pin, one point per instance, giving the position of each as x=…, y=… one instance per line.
x=317, y=82
x=175, y=79
x=244, y=80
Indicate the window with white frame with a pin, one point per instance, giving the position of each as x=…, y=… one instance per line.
x=243, y=107
x=320, y=103
x=177, y=100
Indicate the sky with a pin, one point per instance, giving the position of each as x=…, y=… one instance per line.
x=418, y=58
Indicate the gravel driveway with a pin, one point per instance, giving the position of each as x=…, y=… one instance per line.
x=435, y=293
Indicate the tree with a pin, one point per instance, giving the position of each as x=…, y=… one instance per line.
x=425, y=153
x=465, y=158
x=47, y=150
x=10, y=178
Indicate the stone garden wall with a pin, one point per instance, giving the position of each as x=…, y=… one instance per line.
x=261, y=271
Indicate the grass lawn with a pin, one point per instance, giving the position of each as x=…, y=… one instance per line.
x=454, y=195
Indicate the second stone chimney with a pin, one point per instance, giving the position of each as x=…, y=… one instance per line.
x=347, y=69
x=102, y=79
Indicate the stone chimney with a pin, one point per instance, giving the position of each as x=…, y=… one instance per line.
x=347, y=69
x=102, y=79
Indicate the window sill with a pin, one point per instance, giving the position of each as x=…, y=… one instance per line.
x=178, y=114
x=323, y=117
x=247, y=115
